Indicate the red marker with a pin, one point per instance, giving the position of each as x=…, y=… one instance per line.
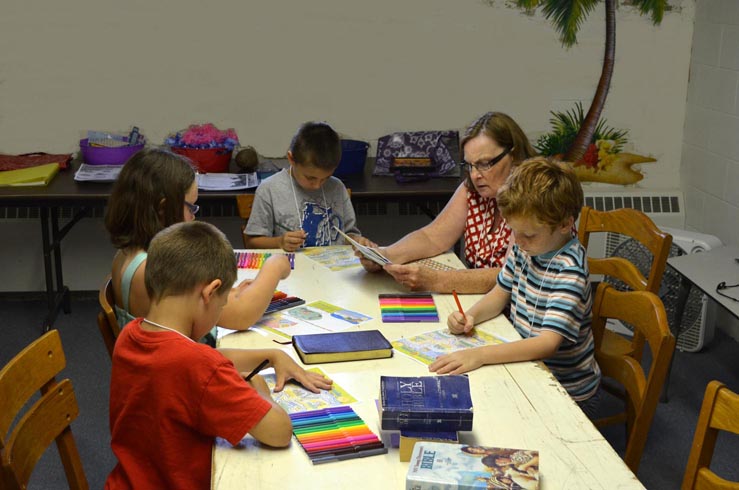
x=464, y=317
x=459, y=305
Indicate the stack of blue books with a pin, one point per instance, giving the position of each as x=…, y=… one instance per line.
x=425, y=408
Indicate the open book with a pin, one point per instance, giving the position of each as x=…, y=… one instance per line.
x=368, y=252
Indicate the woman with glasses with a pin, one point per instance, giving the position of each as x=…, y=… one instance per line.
x=491, y=146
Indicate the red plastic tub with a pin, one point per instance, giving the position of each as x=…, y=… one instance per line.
x=207, y=160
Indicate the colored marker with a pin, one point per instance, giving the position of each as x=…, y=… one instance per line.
x=464, y=317
x=345, y=456
x=459, y=305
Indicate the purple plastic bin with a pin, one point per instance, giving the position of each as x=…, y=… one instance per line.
x=102, y=155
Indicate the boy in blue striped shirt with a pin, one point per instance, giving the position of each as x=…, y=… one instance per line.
x=545, y=282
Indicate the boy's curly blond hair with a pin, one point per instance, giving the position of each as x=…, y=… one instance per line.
x=543, y=189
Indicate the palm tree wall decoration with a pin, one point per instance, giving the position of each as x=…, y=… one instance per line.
x=567, y=17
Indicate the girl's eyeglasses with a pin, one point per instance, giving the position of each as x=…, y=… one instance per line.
x=484, y=166
x=194, y=208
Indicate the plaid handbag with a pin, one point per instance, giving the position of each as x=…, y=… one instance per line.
x=440, y=147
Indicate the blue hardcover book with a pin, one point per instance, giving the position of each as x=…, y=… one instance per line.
x=425, y=403
x=354, y=345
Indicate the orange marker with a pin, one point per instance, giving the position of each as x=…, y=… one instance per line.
x=459, y=305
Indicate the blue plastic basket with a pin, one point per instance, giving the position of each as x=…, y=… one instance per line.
x=353, y=157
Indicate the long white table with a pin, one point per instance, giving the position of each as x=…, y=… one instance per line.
x=517, y=405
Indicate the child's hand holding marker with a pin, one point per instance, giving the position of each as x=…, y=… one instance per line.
x=458, y=322
x=290, y=241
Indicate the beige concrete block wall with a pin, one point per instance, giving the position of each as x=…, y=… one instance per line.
x=710, y=159
x=369, y=68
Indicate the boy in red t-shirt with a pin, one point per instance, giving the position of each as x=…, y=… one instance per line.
x=171, y=396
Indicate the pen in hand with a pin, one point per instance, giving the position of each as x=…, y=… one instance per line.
x=261, y=366
x=287, y=228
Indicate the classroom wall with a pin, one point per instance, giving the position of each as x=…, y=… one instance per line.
x=710, y=159
x=369, y=68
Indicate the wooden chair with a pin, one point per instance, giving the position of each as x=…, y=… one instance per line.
x=46, y=420
x=107, y=321
x=637, y=225
x=244, y=203
x=645, y=311
x=718, y=412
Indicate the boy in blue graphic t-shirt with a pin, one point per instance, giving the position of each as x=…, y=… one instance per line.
x=299, y=206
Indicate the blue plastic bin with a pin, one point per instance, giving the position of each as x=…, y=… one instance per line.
x=353, y=156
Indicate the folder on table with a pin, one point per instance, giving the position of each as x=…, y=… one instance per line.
x=39, y=175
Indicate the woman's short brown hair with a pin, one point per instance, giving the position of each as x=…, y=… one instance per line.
x=502, y=129
x=148, y=195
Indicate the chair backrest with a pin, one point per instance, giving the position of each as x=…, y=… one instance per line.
x=718, y=412
x=645, y=311
x=636, y=225
x=107, y=321
x=244, y=203
x=46, y=420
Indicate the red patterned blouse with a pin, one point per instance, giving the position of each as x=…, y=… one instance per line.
x=483, y=245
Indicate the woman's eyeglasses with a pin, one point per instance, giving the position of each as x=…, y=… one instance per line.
x=484, y=166
x=194, y=208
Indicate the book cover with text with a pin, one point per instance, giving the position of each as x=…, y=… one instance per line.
x=437, y=466
x=425, y=403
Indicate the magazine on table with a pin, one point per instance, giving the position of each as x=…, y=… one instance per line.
x=227, y=182
x=371, y=253
x=97, y=173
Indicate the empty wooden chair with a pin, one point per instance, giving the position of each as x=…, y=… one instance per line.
x=718, y=412
x=645, y=311
x=48, y=419
x=107, y=321
x=244, y=203
x=637, y=225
